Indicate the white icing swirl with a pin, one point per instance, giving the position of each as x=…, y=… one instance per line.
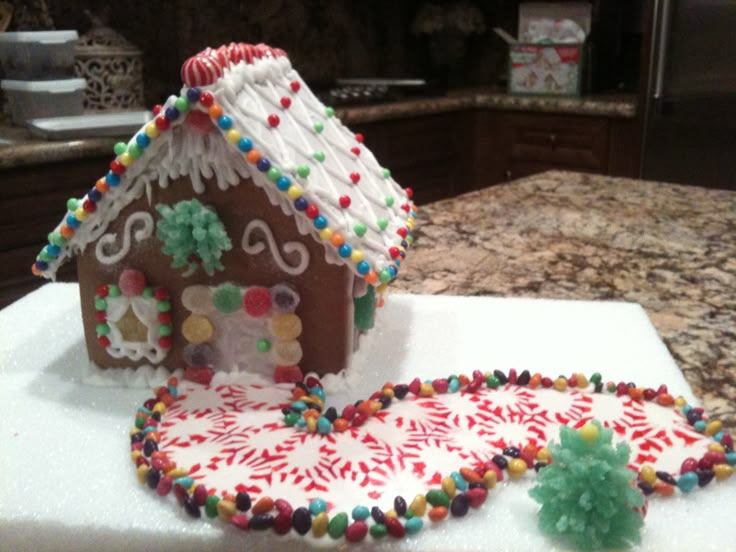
x=289, y=248
x=145, y=232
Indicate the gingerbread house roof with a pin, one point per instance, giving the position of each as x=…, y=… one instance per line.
x=243, y=112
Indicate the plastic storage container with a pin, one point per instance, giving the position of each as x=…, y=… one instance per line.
x=42, y=55
x=36, y=99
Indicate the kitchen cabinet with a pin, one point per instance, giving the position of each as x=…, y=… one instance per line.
x=509, y=145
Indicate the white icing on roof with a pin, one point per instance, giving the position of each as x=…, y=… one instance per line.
x=249, y=92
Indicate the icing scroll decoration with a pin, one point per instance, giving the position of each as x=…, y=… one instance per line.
x=289, y=247
x=145, y=232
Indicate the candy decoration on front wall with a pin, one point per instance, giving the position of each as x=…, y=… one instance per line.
x=193, y=235
x=243, y=328
x=133, y=319
x=585, y=450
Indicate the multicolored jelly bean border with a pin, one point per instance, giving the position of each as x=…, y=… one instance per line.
x=459, y=491
x=128, y=154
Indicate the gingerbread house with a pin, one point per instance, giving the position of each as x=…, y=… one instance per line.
x=243, y=229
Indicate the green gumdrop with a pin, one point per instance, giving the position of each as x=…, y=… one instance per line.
x=135, y=151
x=72, y=204
x=385, y=276
x=182, y=104
x=360, y=229
x=44, y=255
x=148, y=292
x=57, y=239
x=165, y=330
x=319, y=156
x=273, y=174
x=338, y=525
x=100, y=304
x=164, y=306
x=318, y=127
x=330, y=112
x=291, y=418
x=386, y=173
x=365, y=309
x=227, y=298
x=303, y=171
x=210, y=506
x=389, y=201
x=264, y=345
x=382, y=223
x=113, y=290
x=103, y=329
x=120, y=148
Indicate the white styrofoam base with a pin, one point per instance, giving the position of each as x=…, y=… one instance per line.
x=67, y=482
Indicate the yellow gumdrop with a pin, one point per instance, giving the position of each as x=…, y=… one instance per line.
x=560, y=384
x=543, y=455
x=648, y=474
x=319, y=524
x=134, y=455
x=294, y=192
x=680, y=402
x=449, y=486
x=723, y=471
x=288, y=353
x=516, y=468
x=381, y=289
x=489, y=479
x=152, y=130
x=81, y=214
x=426, y=390
x=197, y=329
x=176, y=473
x=388, y=393
x=232, y=136
x=418, y=506
x=142, y=473
x=126, y=159
x=226, y=509
x=286, y=326
x=582, y=381
x=325, y=234
x=159, y=407
x=716, y=447
x=197, y=299
x=590, y=433
x=713, y=428
x=357, y=255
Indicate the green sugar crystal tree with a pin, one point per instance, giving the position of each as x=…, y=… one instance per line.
x=193, y=235
x=587, y=493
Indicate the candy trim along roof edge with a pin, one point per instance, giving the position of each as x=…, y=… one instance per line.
x=82, y=212
x=467, y=488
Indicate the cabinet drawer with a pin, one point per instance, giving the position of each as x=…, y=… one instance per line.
x=574, y=142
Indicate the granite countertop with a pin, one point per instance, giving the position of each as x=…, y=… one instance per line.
x=568, y=235
x=18, y=147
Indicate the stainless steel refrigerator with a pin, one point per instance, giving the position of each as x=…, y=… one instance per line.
x=690, y=129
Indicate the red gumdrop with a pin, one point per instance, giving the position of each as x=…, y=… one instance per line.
x=359, y=137
x=132, y=282
x=355, y=151
x=727, y=441
x=345, y=201
x=348, y=412
x=103, y=341
x=311, y=381
x=200, y=495
x=199, y=374
x=161, y=294
x=415, y=385
x=490, y=465
x=547, y=382
x=440, y=385
x=513, y=376
x=101, y=316
x=199, y=122
x=287, y=374
x=257, y=301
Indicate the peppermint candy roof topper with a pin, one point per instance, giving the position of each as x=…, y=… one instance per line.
x=249, y=139
x=347, y=474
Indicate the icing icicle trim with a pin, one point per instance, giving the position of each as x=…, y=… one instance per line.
x=289, y=247
x=143, y=233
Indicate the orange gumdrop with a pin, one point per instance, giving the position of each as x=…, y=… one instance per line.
x=311, y=413
x=371, y=277
x=253, y=156
x=263, y=506
x=102, y=186
x=365, y=408
x=66, y=231
x=337, y=239
x=535, y=381
x=636, y=393
x=215, y=111
x=297, y=394
x=665, y=399
x=463, y=379
x=168, y=399
x=35, y=270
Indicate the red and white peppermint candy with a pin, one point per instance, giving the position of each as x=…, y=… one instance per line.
x=201, y=70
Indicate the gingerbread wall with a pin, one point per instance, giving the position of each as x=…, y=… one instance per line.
x=325, y=308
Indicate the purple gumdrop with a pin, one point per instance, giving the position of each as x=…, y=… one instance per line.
x=284, y=298
x=199, y=355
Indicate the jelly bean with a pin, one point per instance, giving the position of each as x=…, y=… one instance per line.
x=492, y=382
x=356, y=532
x=470, y=475
x=477, y=496
x=460, y=483
x=460, y=505
x=261, y=522
x=502, y=379
x=665, y=399
x=394, y=528
x=438, y=498
x=240, y=521
x=704, y=477
x=490, y=465
x=645, y=488
x=666, y=477
x=523, y=378
x=513, y=452
x=378, y=515
x=500, y=461
x=378, y=530
x=337, y=525
x=391, y=514
x=454, y=385
x=419, y=505
x=664, y=489
x=264, y=505
x=200, y=495
x=400, y=505
x=164, y=486
x=441, y=385
x=717, y=447
x=426, y=390
x=723, y=471
x=688, y=465
x=414, y=525
x=301, y=519
x=323, y=425
x=317, y=506
x=560, y=384
x=152, y=478
x=517, y=468
x=181, y=494
x=320, y=524
x=543, y=455
x=489, y=479
x=282, y=523
x=449, y=486
x=340, y=425
x=687, y=482
x=438, y=513
x=192, y=508
x=360, y=513
x=210, y=506
x=648, y=475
